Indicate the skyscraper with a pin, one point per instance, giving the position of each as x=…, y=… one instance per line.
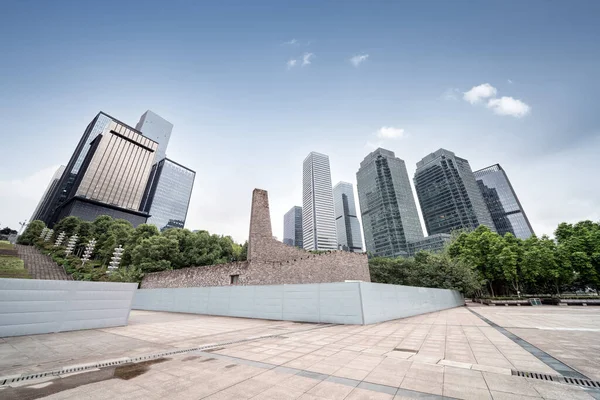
x=388, y=210
x=318, y=221
x=502, y=202
x=449, y=196
x=112, y=177
x=153, y=126
x=167, y=194
x=347, y=226
x=292, y=227
x=43, y=205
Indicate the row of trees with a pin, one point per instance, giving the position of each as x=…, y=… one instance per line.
x=146, y=249
x=481, y=263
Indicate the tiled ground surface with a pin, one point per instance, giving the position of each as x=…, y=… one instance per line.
x=570, y=334
x=452, y=353
x=39, y=265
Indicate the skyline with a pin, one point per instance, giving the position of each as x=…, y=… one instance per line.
x=233, y=101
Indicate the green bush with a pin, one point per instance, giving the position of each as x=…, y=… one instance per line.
x=12, y=267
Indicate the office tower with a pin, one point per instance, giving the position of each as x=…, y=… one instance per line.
x=434, y=244
x=43, y=205
x=502, y=202
x=449, y=196
x=107, y=173
x=388, y=210
x=318, y=222
x=292, y=227
x=346, y=222
x=167, y=195
x=158, y=129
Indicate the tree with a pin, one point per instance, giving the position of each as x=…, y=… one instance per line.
x=141, y=232
x=32, y=233
x=581, y=242
x=154, y=254
x=69, y=225
x=117, y=235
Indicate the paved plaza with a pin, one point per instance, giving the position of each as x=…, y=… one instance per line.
x=449, y=354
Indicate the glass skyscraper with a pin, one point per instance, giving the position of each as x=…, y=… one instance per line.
x=449, y=195
x=502, y=202
x=167, y=195
x=347, y=226
x=318, y=221
x=388, y=210
x=155, y=127
x=42, y=207
x=292, y=227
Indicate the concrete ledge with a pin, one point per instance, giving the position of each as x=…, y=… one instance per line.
x=357, y=303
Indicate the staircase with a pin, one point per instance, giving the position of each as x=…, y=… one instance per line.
x=41, y=266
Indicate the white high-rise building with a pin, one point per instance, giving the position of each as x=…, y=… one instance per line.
x=318, y=220
x=155, y=127
x=349, y=237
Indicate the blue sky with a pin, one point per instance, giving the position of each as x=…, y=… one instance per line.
x=244, y=117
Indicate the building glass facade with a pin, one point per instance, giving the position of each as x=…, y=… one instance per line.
x=292, y=227
x=347, y=226
x=434, y=244
x=42, y=207
x=318, y=221
x=155, y=127
x=449, y=195
x=167, y=195
x=502, y=202
x=117, y=168
x=388, y=209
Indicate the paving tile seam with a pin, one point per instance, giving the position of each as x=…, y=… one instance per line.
x=355, y=383
x=552, y=362
x=6, y=380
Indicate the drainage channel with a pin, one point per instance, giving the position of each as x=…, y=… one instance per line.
x=557, y=365
x=7, y=380
x=588, y=383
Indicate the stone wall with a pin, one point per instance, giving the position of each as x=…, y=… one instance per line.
x=337, y=266
x=270, y=262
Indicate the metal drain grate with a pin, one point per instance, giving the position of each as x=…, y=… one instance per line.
x=7, y=380
x=558, y=379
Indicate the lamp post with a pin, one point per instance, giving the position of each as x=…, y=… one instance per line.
x=23, y=224
x=89, y=249
x=115, y=260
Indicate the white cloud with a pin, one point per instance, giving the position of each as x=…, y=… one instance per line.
x=359, y=59
x=451, y=94
x=291, y=42
x=389, y=132
x=478, y=93
x=291, y=63
x=306, y=58
x=509, y=106
x=509, y=81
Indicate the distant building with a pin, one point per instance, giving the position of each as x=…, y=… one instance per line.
x=153, y=126
x=502, y=202
x=42, y=207
x=434, y=243
x=167, y=195
x=388, y=210
x=347, y=226
x=292, y=227
x=449, y=195
x=107, y=174
x=318, y=221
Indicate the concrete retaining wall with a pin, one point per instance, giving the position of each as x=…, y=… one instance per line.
x=340, y=303
x=31, y=306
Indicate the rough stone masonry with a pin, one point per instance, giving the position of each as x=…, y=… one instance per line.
x=270, y=262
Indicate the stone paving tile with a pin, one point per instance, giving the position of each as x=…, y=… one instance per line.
x=41, y=266
x=330, y=360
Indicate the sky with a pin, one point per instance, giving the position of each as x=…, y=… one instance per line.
x=252, y=87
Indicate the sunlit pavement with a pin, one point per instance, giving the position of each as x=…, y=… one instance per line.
x=452, y=353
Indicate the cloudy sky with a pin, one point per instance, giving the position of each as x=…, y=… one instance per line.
x=253, y=87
